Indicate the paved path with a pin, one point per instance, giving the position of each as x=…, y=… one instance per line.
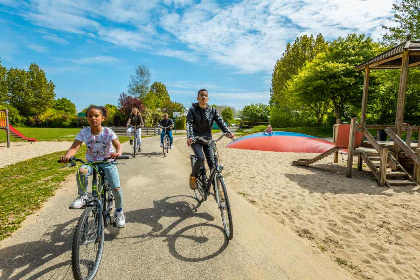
x=165, y=238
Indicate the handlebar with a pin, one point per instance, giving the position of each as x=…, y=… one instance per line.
x=208, y=142
x=73, y=160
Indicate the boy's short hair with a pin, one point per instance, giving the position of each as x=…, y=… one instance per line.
x=203, y=89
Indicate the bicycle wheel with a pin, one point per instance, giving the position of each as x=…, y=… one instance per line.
x=134, y=146
x=165, y=150
x=87, y=245
x=168, y=143
x=224, y=206
x=200, y=191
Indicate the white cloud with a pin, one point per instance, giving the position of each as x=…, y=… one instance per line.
x=37, y=48
x=55, y=38
x=187, y=56
x=95, y=59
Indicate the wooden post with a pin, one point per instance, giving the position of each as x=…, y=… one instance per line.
x=335, y=140
x=399, y=119
x=408, y=137
x=351, y=147
x=7, y=129
x=382, y=166
x=416, y=173
x=365, y=96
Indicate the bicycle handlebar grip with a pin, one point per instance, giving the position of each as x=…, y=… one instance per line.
x=123, y=157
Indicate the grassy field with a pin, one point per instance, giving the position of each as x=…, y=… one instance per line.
x=48, y=134
x=321, y=132
x=24, y=186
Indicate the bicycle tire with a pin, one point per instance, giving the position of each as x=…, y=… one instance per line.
x=224, y=206
x=167, y=143
x=200, y=192
x=134, y=146
x=87, y=269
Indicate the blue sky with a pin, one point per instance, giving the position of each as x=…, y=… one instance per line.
x=89, y=49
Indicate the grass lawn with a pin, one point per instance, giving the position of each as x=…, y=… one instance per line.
x=321, y=132
x=48, y=134
x=24, y=186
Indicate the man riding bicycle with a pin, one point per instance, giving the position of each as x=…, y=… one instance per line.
x=136, y=121
x=169, y=124
x=200, y=120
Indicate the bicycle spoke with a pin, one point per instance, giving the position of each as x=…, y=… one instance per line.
x=224, y=206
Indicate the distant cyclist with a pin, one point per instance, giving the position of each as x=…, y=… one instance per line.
x=200, y=120
x=136, y=121
x=169, y=124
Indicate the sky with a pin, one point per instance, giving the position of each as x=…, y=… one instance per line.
x=90, y=49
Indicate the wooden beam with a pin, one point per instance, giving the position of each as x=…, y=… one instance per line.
x=416, y=173
x=365, y=96
x=399, y=120
x=414, y=64
x=400, y=143
x=351, y=147
x=7, y=129
x=379, y=63
x=382, y=166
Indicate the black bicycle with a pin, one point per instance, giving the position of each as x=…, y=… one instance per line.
x=219, y=188
x=88, y=240
x=135, y=148
x=166, y=142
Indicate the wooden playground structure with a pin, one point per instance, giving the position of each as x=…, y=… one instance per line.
x=394, y=163
x=4, y=124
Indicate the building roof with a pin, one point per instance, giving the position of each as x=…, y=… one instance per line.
x=392, y=58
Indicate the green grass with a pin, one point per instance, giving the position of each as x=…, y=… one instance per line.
x=24, y=186
x=48, y=134
x=321, y=132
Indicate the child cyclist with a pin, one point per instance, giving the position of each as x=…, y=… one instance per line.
x=100, y=142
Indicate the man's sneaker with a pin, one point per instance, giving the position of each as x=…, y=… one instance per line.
x=171, y=147
x=193, y=182
x=131, y=141
x=139, y=149
x=79, y=202
x=119, y=219
x=161, y=144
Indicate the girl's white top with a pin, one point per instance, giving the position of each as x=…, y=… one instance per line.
x=98, y=146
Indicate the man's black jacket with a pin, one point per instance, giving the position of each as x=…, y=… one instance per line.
x=200, y=121
x=166, y=123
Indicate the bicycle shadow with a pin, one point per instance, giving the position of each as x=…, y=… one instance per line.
x=151, y=154
x=29, y=256
x=177, y=207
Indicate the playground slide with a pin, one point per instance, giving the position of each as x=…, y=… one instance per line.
x=17, y=134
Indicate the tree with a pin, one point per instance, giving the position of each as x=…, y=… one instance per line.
x=127, y=102
x=65, y=105
x=227, y=114
x=112, y=111
x=304, y=49
x=139, y=84
x=157, y=97
x=30, y=92
x=3, y=84
x=255, y=113
x=407, y=18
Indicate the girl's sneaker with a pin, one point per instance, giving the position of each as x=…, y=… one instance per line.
x=119, y=219
x=79, y=202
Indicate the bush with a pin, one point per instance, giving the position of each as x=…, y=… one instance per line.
x=286, y=117
x=14, y=117
x=180, y=122
x=53, y=118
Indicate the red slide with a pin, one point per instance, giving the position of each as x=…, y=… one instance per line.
x=17, y=134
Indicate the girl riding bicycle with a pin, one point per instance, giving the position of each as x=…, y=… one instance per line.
x=100, y=142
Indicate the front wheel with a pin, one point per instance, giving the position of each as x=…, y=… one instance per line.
x=224, y=206
x=88, y=244
x=134, y=147
x=200, y=191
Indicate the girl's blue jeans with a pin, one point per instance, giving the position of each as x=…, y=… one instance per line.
x=111, y=174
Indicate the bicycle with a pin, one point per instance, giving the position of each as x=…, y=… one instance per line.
x=91, y=225
x=219, y=188
x=135, y=137
x=166, y=142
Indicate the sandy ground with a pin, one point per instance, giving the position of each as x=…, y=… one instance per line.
x=372, y=231
x=20, y=151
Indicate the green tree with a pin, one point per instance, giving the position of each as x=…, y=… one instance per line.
x=255, y=113
x=407, y=19
x=30, y=92
x=3, y=84
x=112, y=112
x=304, y=49
x=140, y=81
x=157, y=97
x=227, y=115
x=65, y=105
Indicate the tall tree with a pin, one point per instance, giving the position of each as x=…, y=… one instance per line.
x=65, y=105
x=304, y=49
x=407, y=19
x=255, y=113
x=157, y=97
x=127, y=102
x=3, y=84
x=30, y=92
x=227, y=114
x=140, y=81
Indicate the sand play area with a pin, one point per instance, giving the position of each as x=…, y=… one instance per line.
x=372, y=231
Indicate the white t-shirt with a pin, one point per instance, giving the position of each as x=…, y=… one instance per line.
x=98, y=146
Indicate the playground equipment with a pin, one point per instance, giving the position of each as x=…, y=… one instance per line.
x=395, y=163
x=10, y=130
x=280, y=141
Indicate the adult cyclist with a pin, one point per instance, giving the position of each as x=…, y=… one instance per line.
x=200, y=120
x=169, y=124
x=136, y=121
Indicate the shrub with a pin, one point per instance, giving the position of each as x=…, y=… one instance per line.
x=14, y=117
x=180, y=122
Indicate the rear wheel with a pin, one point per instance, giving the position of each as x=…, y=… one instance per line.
x=224, y=206
x=87, y=245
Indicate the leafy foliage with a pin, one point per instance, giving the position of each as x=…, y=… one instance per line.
x=407, y=19
x=157, y=97
x=227, y=114
x=65, y=105
x=3, y=84
x=127, y=102
x=255, y=113
x=140, y=81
